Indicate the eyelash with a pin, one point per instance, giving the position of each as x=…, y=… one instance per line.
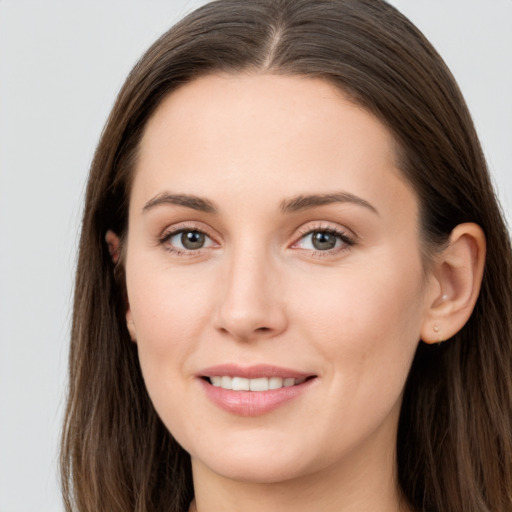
x=346, y=240
x=187, y=228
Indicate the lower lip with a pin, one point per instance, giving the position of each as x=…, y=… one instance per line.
x=253, y=403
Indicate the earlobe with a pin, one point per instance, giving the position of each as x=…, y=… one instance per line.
x=113, y=245
x=458, y=277
x=130, y=325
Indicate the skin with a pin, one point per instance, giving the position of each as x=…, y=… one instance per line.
x=258, y=291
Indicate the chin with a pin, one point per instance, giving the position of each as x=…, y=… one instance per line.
x=256, y=472
x=259, y=463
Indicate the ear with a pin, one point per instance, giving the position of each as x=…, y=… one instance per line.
x=113, y=248
x=113, y=245
x=456, y=280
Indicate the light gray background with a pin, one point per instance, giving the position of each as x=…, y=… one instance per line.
x=61, y=64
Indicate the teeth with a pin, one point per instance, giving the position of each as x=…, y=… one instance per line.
x=259, y=384
x=216, y=381
x=275, y=383
x=239, y=384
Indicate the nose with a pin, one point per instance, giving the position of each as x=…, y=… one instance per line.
x=251, y=298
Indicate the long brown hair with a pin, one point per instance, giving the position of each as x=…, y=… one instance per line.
x=455, y=434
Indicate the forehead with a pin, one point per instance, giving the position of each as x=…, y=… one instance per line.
x=256, y=135
x=273, y=107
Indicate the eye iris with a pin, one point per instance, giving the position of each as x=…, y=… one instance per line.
x=323, y=241
x=192, y=239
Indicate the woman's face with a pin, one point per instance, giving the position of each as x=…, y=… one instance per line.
x=273, y=243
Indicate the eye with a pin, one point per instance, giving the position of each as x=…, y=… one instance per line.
x=324, y=240
x=187, y=240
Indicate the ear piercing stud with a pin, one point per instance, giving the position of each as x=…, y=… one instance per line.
x=437, y=331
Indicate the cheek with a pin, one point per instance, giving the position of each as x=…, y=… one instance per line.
x=366, y=329
x=359, y=302
x=166, y=305
x=366, y=321
x=168, y=311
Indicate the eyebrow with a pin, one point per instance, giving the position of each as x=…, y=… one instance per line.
x=295, y=204
x=305, y=202
x=186, y=200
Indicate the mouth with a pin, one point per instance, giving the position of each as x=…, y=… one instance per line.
x=237, y=383
x=255, y=390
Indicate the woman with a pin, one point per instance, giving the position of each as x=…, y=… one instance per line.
x=283, y=298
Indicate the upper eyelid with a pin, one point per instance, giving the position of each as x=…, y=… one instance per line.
x=335, y=228
x=186, y=226
x=305, y=229
x=329, y=229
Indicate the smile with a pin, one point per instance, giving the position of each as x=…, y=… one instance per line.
x=255, y=390
x=259, y=384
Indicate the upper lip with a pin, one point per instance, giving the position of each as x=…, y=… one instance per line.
x=252, y=372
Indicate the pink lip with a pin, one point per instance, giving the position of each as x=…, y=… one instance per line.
x=252, y=372
x=252, y=403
